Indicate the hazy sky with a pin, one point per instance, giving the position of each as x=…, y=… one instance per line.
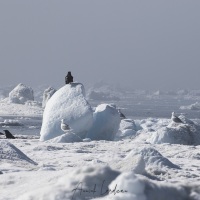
x=153, y=44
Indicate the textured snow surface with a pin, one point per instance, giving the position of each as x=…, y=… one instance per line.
x=9, y=152
x=143, y=170
x=150, y=158
x=67, y=103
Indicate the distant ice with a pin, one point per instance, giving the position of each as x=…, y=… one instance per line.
x=47, y=95
x=21, y=94
x=194, y=106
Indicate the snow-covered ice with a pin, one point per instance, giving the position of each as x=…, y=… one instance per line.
x=149, y=156
x=106, y=120
x=48, y=93
x=67, y=103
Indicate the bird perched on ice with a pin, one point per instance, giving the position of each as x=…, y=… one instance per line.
x=175, y=119
x=8, y=134
x=65, y=127
x=122, y=116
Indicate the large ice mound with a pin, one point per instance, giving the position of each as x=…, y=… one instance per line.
x=106, y=120
x=21, y=94
x=67, y=103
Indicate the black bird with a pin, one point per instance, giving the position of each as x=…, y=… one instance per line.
x=122, y=116
x=8, y=134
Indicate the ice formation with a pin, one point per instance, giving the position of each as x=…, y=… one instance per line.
x=106, y=121
x=194, y=106
x=127, y=129
x=47, y=95
x=186, y=133
x=21, y=94
x=67, y=103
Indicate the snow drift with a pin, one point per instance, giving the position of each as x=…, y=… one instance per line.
x=67, y=103
x=68, y=137
x=11, y=153
x=94, y=182
x=135, y=187
x=103, y=183
x=146, y=161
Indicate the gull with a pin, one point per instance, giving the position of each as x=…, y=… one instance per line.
x=175, y=119
x=65, y=127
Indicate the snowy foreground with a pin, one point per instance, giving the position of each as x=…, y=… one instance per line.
x=144, y=171
x=149, y=159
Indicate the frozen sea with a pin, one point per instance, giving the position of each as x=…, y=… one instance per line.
x=132, y=105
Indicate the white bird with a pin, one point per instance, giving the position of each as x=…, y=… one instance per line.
x=175, y=119
x=65, y=127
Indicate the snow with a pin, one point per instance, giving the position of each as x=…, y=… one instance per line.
x=19, y=109
x=67, y=103
x=21, y=94
x=48, y=93
x=68, y=137
x=186, y=133
x=61, y=167
x=11, y=153
x=151, y=157
x=105, y=123
x=134, y=187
